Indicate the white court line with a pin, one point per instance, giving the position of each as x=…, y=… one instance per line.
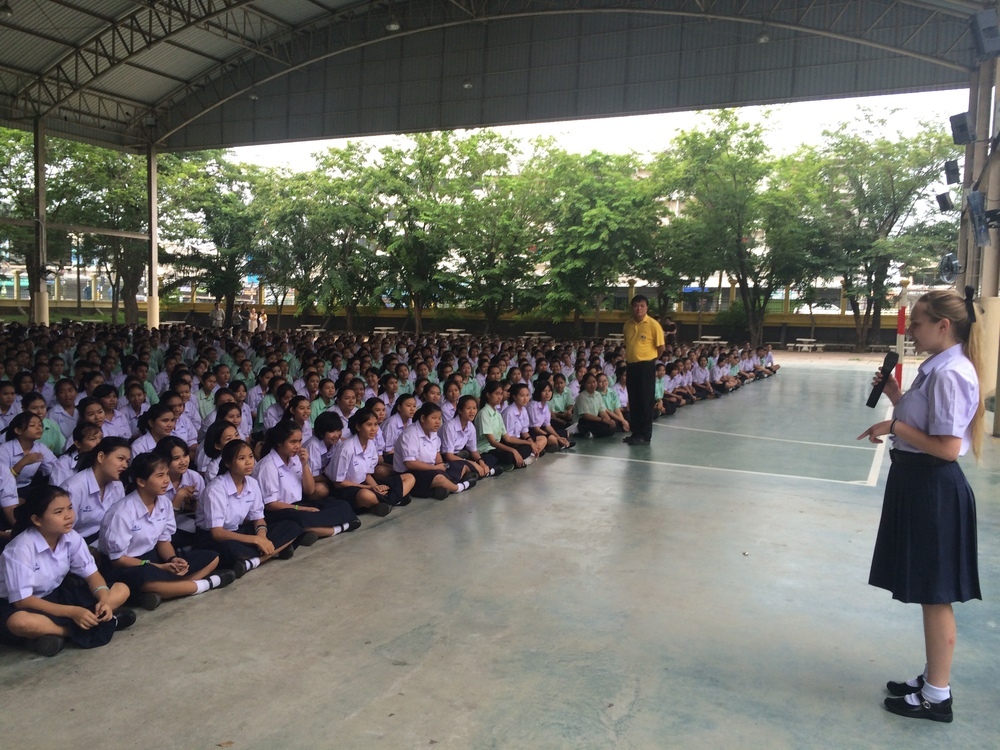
x=763, y=437
x=855, y=482
x=876, y=466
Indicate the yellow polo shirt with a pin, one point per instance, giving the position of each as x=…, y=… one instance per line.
x=642, y=340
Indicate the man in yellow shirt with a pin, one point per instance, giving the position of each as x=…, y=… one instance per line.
x=644, y=342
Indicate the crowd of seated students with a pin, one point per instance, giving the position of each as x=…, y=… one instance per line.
x=140, y=466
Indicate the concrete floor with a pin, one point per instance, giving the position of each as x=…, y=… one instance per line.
x=707, y=592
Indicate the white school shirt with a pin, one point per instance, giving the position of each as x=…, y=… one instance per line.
x=191, y=409
x=13, y=411
x=319, y=454
x=351, y=462
x=538, y=414
x=117, y=427
x=719, y=372
x=63, y=469
x=133, y=418
x=515, y=420
x=223, y=507
x=184, y=429
x=129, y=528
x=254, y=396
x=385, y=399
x=206, y=423
x=66, y=422
x=188, y=479
x=447, y=410
x=391, y=429
x=414, y=444
x=622, y=392
x=29, y=567
x=87, y=502
x=455, y=438
x=768, y=359
x=279, y=482
x=942, y=399
x=143, y=444
x=699, y=374
x=11, y=452
x=574, y=388
x=8, y=490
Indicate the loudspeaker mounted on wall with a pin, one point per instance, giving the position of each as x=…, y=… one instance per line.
x=963, y=129
x=944, y=202
x=986, y=32
x=951, y=174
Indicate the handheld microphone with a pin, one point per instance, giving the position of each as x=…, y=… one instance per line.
x=891, y=360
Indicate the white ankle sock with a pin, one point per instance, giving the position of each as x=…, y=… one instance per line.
x=253, y=562
x=936, y=694
x=462, y=486
x=205, y=585
x=492, y=473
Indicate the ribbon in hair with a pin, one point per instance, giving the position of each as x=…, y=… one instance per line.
x=970, y=306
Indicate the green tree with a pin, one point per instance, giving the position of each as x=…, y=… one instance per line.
x=877, y=187
x=601, y=218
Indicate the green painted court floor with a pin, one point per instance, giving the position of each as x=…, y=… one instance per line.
x=708, y=591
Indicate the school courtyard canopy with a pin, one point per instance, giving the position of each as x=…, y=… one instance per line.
x=193, y=74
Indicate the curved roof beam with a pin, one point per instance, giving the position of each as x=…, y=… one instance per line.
x=843, y=21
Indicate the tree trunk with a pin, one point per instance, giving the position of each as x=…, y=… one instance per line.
x=131, y=278
x=418, y=314
x=351, y=312
x=597, y=315
x=577, y=323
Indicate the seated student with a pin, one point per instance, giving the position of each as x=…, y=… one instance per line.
x=459, y=441
x=491, y=429
x=222, y=396
x=403, y=379
x=310, y=386
x=746, y=370
x=156, y=424
x=351, y=468
x=9, y=406
x=52, y=437
x=390, y=390
x=767, y=359
x=757, y=357
x=136, y=540
x=720, y=380
x=327, y=433
x=180, y=383
x=517, y=422
x=8, y=503
x=576, y=384
x=400, y=417
x=184, y=489
x=210, y=455
x=230, y=516
x=431, y=394
x=276, y=411
x=23, y=454
x=701, y=379
x=621, y=390
x=561, y=404
x=371, y=383
x=325, y=396
x=540, y=418
x=590, y=412
x=285, y=477
x=239, y=389
x=417, y=451
x=611, y=403
x=256, y=394
x=270, y=396
x=41, y=605
x=64, y=411
x=85, y=437
x=204, y=397
x=96, y=485
x=135, y=406
x=115, y=422
x=452, y=393
x=183, y=426
x=345, y=403
x=671, y=396
x=297, y=411
x=358, y=385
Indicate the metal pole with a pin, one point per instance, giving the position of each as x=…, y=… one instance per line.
x=152, y=290
x=79, y=289
x=41, y=311
x=968, y=172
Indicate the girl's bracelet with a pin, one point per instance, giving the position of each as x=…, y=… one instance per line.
x=892, y=427
x=94, y=592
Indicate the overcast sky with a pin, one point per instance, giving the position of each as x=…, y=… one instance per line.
x=789, y=126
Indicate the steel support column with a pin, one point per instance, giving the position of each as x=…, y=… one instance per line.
x=41, y=306
x=152, y=286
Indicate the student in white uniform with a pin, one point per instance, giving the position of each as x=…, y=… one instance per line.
x=41, y=605
x=230, y=517
x=154, y=425
x=183, y=426
x=186, y=486
x=517, y=424
x=418, y=452
x=64, y=412
x=136, y=540
x=297, y=411
x=285, y=479
x=400, y=417
x=86, y=436
x=23, y=454
x=97, y=485
x=540, y=418
x=459, y=441
x=328, y=432
x=351, y=470
x=115, y=422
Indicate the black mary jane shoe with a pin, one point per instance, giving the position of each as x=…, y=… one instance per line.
x=902, y=688
x=923, y=710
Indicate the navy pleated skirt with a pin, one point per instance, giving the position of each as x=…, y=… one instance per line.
x=926, y=548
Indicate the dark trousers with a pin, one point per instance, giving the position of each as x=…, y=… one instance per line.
x=641, y=377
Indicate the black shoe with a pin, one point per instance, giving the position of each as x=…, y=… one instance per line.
x=48, y=645
x=287, y=553
x=634, y=440
x=472, y=479
x=923, y=710
x=240, y=570
x=353, y=525
x=497, y=471
x=150, y=601
x=901, y=688
x=406, y=500
x=380, y=509
x=308, y=539
x=226, y=577
x=124, y=619
x=439, y=493
x=572, y=444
